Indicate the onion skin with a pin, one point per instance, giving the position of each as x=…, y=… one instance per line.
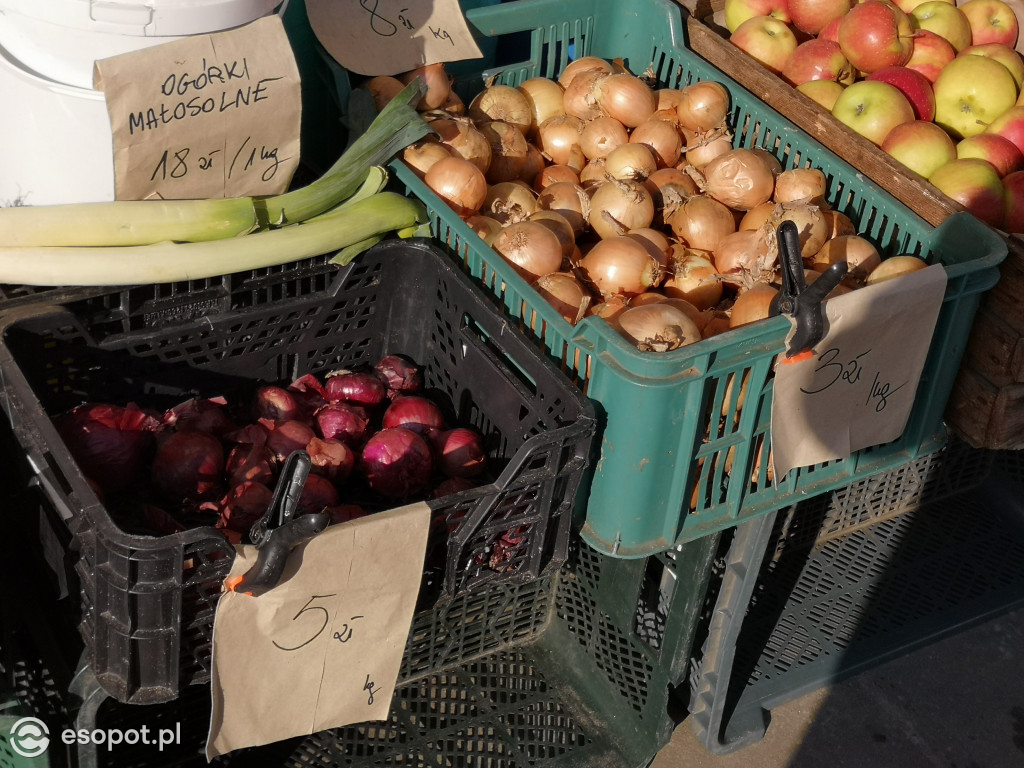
x=249, y=463
x=331, y=458
x=509, y=150
x=343, y=421
x=400, y=374
x=274, y=403
x=242, y=506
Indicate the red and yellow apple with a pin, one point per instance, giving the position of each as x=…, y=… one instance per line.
x=1002, y=153
x=974, y=184
x=831, y=30
x=817, y=60
x=1013, y=203
x=1005, y=55
x=991, y=21
x=915, y=86
x=908, y=5
x=931, y=53
x=970, y=93
x=945, y=20
x=876, y=34
x=767, y=40
x=738, y=11
x=811, y=16
x=920, y=145
x=872, y=109
x=1010, y=125
x=824, y=92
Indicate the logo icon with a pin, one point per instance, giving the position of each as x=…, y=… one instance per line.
x=30, y=737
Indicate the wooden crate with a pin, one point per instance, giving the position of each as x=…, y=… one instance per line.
x=707, y=38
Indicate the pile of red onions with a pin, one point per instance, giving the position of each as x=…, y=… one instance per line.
x=374, y=436
x=567, y=178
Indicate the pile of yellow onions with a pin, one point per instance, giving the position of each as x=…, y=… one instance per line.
x=628, y=202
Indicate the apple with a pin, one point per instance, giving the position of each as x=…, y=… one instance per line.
x=991, y=21
x=931, y=53
x=915, y=86
x=1005, y=55
x=811, y=16
x=945, y=20
x=872, y=109
x=998, y=150
x=831, y=30
x=738, y=11
x=974, y=184
x=824, y=92
x=971, y=92
x=766, y=39
x=1010, y=125
x=817, y=60
x=876, y=34
x=921, y=146
x=908, y=5
x=1013, y=203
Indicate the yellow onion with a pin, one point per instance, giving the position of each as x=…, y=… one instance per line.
x=558, y=224
x=702, y=148
x=568, y=199
x=810, y=224
x=659, y=327
x=630, y=162
x=703, y=106
x=423, y=154
x=565, y=293
x=459, y=183
x=757, y=216
x=694, y=279
x=531, y=248
x=593, y=173
x=485, y=226
x=701, y=222
x=838, y=224
x=619, y=206
x=667, y=99
x=551, y=174
x=620, y=265
x=509, y=201
x=558, y=137
x=662, y=138
x=647, y=297
x=509, y=151
x=716, y=321
x=535, y=163
x=502, y=103
x=860, y=255
x=601, y=135
x=609, y=309
x=893, y=267
x=545, y=99
x=625, y=97
x=438, y=84
x=383, y=89
x=770, y=160
x=743, y=251
x=655, y=241
x=752, y=305
x=670, y=185
x=465, y=139
x=579, y=98
x=583, y=64
x=800, y=185
x=740, y=179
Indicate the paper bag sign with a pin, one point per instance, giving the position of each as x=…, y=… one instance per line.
x=323, y=648
x=858, y=389
x=386, y=37
x=206, y=116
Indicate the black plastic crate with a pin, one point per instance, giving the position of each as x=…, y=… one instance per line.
x=825, y=589
x=148, y=600
x=577, y=668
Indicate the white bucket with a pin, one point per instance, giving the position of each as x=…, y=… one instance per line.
x=55, y=138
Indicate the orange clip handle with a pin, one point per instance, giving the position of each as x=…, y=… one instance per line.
x=799, y=357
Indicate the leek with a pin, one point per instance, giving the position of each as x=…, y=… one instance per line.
x=167, y=262
x=126, y=222
x=397, y=126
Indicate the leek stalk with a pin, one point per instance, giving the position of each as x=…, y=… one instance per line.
x=167, y=262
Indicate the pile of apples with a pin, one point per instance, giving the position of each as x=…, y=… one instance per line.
x=934, y=84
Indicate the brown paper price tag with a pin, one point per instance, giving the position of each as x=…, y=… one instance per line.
x=206, y=116
x=858, y=389
x=323, y=648
x=385, y=37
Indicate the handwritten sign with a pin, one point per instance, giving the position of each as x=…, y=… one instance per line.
x=386, y=37
x=323, y=648
x=858, y=388
x=206, y=116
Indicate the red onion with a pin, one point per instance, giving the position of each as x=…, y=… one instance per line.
x=317, y=494
x=250, y=434
x=413, y=412
x=309, y=395
x=274, y=403
x=460, y=452
x=400, y=374
x=243, y=505
x=397, y=462
x=331, y=458
x=188, y=465
x=355, y=387
x=203, y=415
x=250, y=463
x=286, y=437
x=342, y=513
x=342, y=421
x=111, y=444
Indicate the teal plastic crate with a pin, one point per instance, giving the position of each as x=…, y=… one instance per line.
x=661, y=476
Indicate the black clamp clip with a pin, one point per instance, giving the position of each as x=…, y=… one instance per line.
x=800, y=301
x=277, y=531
